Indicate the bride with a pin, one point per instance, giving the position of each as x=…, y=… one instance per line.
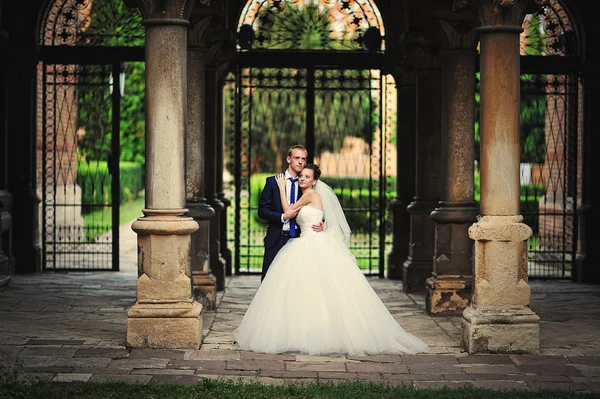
x=314, y=299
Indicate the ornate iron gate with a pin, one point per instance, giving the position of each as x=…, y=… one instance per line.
x=80, y=158
x=83, y=57
x=340, y=115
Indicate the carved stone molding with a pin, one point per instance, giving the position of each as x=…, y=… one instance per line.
x=457, y=35
x=419, y=52
x=501, y=12
x=160, y=11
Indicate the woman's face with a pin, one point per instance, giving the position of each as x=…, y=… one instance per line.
x=306, y=178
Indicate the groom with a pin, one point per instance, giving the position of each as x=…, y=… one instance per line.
x=281, y=225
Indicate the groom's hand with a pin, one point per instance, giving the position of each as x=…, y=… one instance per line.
x=319, y=227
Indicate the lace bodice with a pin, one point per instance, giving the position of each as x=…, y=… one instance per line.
x=307, y=217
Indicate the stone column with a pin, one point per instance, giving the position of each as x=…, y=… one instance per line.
x=449, y=288
x=499, y=318
x=405, y=175
x=165, y=314
x=225, y=251
x=217, y=264
x=204, y=284
x=418, y=266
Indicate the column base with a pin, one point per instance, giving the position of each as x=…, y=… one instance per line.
x=414, y=275
x=165, y=325
x=227, y=258
x=448, y=295
x=395, y=262
x=500, y=330
x=217, y=269
x=205, y=289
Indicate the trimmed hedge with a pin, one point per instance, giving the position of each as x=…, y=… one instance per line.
x=353, y=194
x=95, y=183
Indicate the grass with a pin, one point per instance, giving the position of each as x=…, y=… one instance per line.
x=12, y=387
x=100, y=221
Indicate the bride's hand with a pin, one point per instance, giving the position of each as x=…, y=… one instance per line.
x=280, y=179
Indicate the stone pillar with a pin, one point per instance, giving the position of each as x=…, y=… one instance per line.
x=225, y=251
x=165, y=314
x=418, y=266
x=499, y=318
x=203, y=283
x=405, y=175
x=217, y=263
x=450, y=286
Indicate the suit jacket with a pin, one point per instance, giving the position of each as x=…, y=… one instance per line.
x=270, y=209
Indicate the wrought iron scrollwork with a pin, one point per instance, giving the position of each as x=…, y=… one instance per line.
x=311, y=25
x=89, y=23
x=549, y=32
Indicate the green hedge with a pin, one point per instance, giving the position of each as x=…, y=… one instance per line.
x=95, y=183
x=354, y=197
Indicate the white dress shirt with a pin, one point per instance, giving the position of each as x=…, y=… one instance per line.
x=288, y=190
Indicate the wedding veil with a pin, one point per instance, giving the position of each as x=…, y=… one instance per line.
x=335, y=220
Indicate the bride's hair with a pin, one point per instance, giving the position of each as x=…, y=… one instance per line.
x=315, y=169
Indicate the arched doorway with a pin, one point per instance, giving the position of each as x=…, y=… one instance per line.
x=309, y=72
x=90, y=103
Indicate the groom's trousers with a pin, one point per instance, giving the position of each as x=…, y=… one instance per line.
x=271, y=253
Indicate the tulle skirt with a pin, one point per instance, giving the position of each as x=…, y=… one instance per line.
x=314, y=300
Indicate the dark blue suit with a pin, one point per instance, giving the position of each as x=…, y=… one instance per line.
x=270, y=209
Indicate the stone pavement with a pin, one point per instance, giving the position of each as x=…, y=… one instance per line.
x=72, y=327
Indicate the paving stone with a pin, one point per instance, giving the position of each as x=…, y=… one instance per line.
x=110, y=353
x=315, y=366
x=55, y=342
x=163, y=371
x=397, y=368
x=247, y=355
x=542, y=369
x=52, y=351
x=485, y=359
x=197, y=364
x=123, y=377
x=255, y=365
x=139, y=363
x=587, y=371
x=71, y=377
x=228, y=372
x=587, y=360
x=288, y=374
x=441, y=384
x=156, y=354
x=212, y=355
x=539, y=359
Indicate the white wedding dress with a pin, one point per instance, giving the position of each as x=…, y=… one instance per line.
x=315, y=300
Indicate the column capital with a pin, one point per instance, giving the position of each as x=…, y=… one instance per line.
x=163, y=12
x=457, y=35
x=500, y=12
x=420, y=51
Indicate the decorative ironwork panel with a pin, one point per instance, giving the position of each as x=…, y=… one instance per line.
x=310, y=24
x=551, y=175
x=550, y=181
x=549, y=32
x=77, y=177
x=91, y=23
x=339, y=115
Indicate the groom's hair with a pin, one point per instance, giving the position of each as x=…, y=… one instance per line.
x=296, y=147
x=315, y=168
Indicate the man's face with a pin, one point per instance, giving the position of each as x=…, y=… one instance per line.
x=297, y=161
